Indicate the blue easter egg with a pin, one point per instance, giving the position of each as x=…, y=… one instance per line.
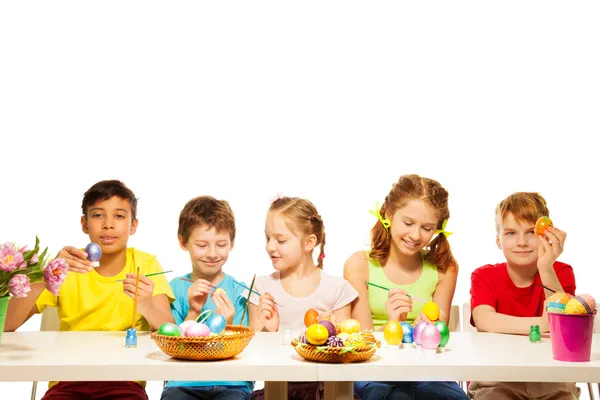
x=407, y=330
x=216, y=324
x=93, y=251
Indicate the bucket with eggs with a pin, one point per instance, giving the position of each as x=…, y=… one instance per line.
x=326, y=340
x=207, y=338
x=429, y=336
x=571, y=321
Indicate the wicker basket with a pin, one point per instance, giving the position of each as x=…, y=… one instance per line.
x=335, y=354
x=230, y=344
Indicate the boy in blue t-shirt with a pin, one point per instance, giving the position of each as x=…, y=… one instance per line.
x=207, y=232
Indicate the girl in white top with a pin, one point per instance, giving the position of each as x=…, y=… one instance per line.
x=293, y=229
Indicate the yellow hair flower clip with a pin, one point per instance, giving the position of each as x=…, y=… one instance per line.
x=385, y=222
x=443, y=230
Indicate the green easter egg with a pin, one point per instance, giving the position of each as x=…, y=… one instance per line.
x=444, y=333
x=169, y=329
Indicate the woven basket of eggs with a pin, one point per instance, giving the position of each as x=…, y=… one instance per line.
x=197, y=342
x=326, y=342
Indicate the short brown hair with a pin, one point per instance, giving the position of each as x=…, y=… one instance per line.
x=305, y=218
x=524, y=206
x=206, y=210
x=104, y=190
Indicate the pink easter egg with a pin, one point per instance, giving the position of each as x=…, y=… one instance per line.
x=186, y=324
x=417, y=332
x=198, y=329
x=430, y=337
x=589, y=299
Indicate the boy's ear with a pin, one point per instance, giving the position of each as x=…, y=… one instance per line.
x=181, y=243
x=84, y=225
x=498, y=242
x=311, y=242
x=134, y=225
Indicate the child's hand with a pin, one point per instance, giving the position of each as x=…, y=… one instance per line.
x=197, y=295
x=550, y=246
x=268, y=313
x=223, y=305
x=76, y=258
x=145, y=291
x=398, y=305
x=423, y=318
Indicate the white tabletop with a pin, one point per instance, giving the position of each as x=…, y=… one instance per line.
x=44, y=356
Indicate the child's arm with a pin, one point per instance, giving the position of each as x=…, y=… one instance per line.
x=155, y=309
x=444, y=292
x=488, y=320
x=20, y=309
x=356, y=272
x=550, y=246
x=344, y=313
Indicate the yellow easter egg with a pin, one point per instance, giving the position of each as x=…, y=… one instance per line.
x=350, y=326
x=431, y=311
x=574, y=306
x=317, y=334
x=354, y=339
x=393, y=333
x=219, y=290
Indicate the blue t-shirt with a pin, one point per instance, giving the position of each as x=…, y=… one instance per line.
x=181, y=306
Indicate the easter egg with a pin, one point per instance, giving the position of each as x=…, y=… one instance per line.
x=317, y=334
x=417, y=332
x=575, y=306
x=344, y=336
x=335, y=341
x=560, y=297
x=330, y=327
x=430, y=337
x=331, y=319
x=219, y=291
x=186, y=324
x=589, y=300
x=407, y=332
x=169, y=329
x=444, y=332
x=542, y=224
x=216, y=324
x=393, y=333
x=368, y=337
x=94, y=253
x=310, y=317
x=431, y=311
x=350, y=326
x=556, y=307
x=354, y=339
x=302, y=337
x=196, y=330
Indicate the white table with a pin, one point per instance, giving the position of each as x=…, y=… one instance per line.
x=75, y=356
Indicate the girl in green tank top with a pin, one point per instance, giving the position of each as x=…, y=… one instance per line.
x=410, y=255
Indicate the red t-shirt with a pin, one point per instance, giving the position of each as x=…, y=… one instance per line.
x=491, y=285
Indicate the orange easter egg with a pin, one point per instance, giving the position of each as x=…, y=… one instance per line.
x=310, y=317
x=542, y=224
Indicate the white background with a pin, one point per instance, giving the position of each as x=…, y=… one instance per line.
x=331, y=101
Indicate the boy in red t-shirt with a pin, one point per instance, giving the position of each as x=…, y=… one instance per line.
x=509, y=298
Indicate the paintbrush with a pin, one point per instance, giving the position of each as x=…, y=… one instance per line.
x=384, y=288
x=241, y=284
x=135, y=298
x=152, y=274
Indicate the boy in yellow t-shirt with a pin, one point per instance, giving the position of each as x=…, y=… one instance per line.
x=92, y=299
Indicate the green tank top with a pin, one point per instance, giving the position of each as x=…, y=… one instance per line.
x=423, y=288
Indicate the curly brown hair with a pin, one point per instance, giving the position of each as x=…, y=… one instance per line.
x=414, y=187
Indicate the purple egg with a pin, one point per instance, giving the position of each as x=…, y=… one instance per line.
x=335, y=341
x=417, y=332
x=330, y=327
x=302, y=338
x=430, y=337
x=198, y=329
x=94, y=252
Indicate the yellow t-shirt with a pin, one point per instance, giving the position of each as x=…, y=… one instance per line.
x=92, y=302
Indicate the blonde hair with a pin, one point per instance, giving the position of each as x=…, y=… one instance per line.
x=524, y=206
x=414, y=187
x=303, y=214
